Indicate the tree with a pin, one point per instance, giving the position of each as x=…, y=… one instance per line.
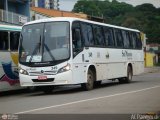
x=131, y=22
x=88, y=7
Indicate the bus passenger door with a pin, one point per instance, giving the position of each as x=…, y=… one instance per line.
x=78, y=56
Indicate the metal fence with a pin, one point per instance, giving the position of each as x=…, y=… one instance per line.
x=13, y=18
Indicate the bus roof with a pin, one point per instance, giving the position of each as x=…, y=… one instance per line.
x=10, y=27
x=71, y=19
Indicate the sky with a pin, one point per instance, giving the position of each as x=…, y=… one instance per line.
x=68, y=5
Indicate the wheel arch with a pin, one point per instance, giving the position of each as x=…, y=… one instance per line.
x=130, y=65
x=93, y=69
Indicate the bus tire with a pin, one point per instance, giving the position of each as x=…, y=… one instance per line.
x=48, y=89
x=90, y=81
x=127, y=79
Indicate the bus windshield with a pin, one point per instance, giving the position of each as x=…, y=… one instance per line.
x=44, y=43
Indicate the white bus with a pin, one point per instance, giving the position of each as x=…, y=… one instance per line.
x=64, y=51
x=9, y=40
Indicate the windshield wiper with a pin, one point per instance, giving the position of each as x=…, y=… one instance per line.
x=48, y=50
x=35, y=49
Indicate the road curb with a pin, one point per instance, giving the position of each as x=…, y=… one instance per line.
x=151, y=69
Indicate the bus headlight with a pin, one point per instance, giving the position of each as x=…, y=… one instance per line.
x=22, y=71
x=65, y=68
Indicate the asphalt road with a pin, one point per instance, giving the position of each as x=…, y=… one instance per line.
x=140, y=96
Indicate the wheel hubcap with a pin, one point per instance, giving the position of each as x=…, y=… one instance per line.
x=90, y=80
x=130, y=75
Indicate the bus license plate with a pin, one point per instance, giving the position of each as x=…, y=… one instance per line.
x=42, y=77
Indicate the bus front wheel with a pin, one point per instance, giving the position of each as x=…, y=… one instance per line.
x=90, y=81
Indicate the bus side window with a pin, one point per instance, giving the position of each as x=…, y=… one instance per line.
x=3, y=40
x=14, y=40
x=129, y=39
x=138, y=41
x=77, y=42
x=125, y=39
x=118, y=37
x=108, y=33
x=76, y=38
x=98, y=35
x=133, y=38
x=87, y=34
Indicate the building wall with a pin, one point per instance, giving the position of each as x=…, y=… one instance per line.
x=12, y=7
x=14, y=11
x=48, y=4
x=24, y=9
x=36, y=16
x=19, y=7
x=153, y=47
x=150, y=59
x=46, y=13
x=39, y=16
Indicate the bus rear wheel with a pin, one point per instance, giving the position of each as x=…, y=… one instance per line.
x=127, y=79
x=90, y=81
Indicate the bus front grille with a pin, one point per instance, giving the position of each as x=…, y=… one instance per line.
x=46, y=80
x=40, y=73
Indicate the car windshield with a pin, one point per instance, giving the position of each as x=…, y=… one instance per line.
x=44, y=43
